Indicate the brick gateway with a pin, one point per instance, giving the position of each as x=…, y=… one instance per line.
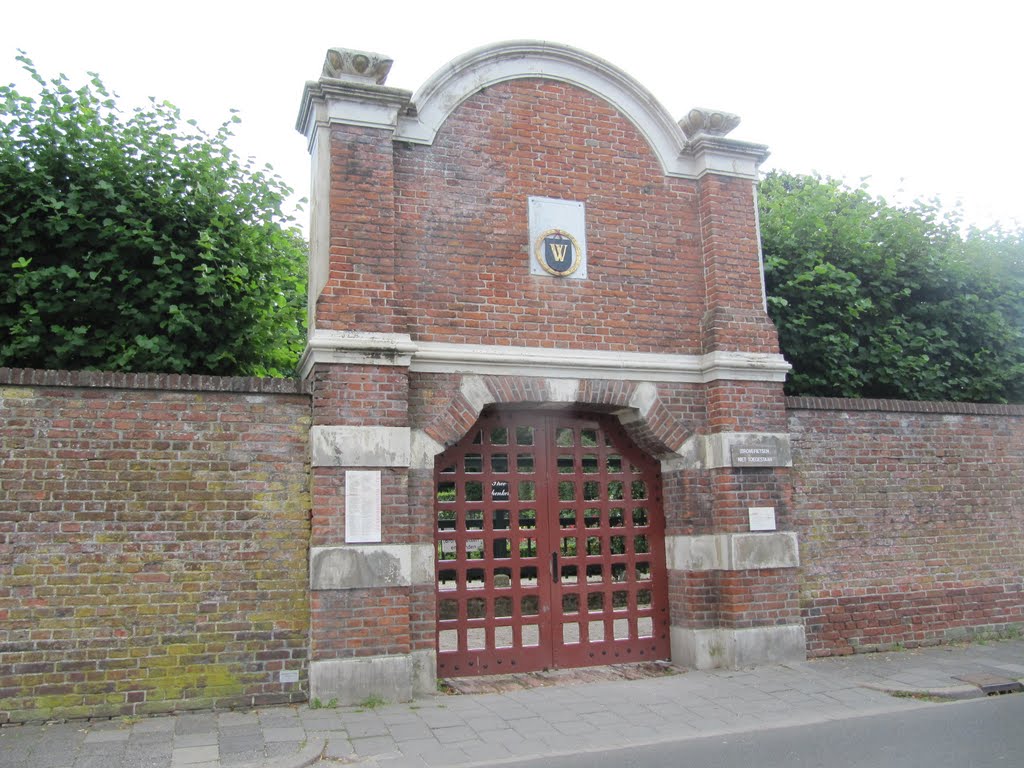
x=531, y=242
x=531, y=230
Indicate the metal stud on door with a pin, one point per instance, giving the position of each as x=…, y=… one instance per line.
x=550, y=547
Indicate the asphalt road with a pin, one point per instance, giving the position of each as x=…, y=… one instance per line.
x=980, y=733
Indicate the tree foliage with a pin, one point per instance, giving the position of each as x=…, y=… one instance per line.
x=872, y=300
x=137, y=242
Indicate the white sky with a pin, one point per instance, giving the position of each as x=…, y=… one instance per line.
x=925, y=98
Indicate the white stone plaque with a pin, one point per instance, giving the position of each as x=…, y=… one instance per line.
x=362, y=506
x=762, y=518
x=558, y=238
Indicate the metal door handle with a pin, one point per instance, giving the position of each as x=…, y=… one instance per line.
x=554, y=567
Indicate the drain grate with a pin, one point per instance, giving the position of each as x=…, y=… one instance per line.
x=992, y=685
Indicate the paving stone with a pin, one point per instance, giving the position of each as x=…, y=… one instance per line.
x=338, y=748
x=282, y=749
x=47, y=754
x=246, y=758
x=95, y=761
x=146, y=759
x=523, y=747
x=154, y=725
x=454, y=734
x=141, y=739
x=321, y=719
x=574, y=727
x=232, y=747
x=231, y=719
x=365, y=729
x=272, y=735
x=275, y=719
x=529, y=728
x=488, y=723
x=482, y=752
x=105, y=749
x=185, y=725
x=419, y=746
x=374, y=746
x=204, y=739
x=442, y=758
x=395, y=761
x=411, y=730
x=252, y=731
x=192, y=755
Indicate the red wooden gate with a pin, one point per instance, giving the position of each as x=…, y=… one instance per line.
x=550, y=546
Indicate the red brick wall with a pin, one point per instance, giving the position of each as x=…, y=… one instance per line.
x=153, y=542
x=360, y=290
x=358, y=395
x=398, y=523
x=735, y=599
x=735, y=317
x=360, y=622
x=911, y=520
x=463, y=260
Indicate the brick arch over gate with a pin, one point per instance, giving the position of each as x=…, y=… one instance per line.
x=649, y=423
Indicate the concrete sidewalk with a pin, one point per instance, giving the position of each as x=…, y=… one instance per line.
x=484, y=728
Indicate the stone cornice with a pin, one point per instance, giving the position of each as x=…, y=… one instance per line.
x=494, y=360
x=356, y=348
x=341, y=101
x=516, y=59
x=416, y=118
x=726, y=157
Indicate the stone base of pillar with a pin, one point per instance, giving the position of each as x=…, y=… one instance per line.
x=736, y=648
x=390, y=678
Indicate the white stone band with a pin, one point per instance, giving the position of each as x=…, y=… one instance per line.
x=735, y=648
x=732, y=551
x=369, y=566
x=497, y=360
x=715, y=451
x=392, y=678
x=348, y=446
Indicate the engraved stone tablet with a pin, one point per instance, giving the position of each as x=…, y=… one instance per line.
x=362, y=506
x=755, y=455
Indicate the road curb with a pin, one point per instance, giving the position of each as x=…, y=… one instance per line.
x=950, y=693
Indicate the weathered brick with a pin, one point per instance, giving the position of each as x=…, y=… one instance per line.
x=139, y=506
x=910, y=520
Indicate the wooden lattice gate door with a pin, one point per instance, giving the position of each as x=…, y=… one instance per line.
x=550, y=547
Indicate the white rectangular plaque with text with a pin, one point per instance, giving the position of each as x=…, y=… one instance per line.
x=362, y=506
x=762, y=518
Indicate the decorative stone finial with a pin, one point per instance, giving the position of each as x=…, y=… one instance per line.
x=357, y=66
x=711, y=122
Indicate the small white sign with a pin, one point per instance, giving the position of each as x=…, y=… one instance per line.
x=362, y=506
x=472, y=545
x=289, y=675
x=762, y=518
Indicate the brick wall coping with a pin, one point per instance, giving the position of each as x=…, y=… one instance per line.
x=902, y=406
x=166, y=381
